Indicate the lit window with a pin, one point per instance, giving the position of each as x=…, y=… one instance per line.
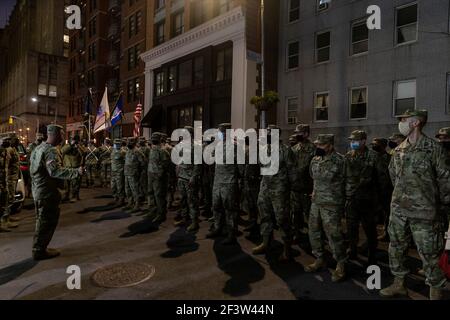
x=159, y=84
x=42, y=89
x=53, y=91
x=404, y=96
x=321, y=105
x=406, y=24
x=358, y=103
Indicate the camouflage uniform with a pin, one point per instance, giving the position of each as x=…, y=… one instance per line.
x=47, y=174
x=251, y=182
x=13, y=171
x=4, y=212
x=145, y=149
x=172, y=177
x=207, y=184
x=328, y=199
x=362, y=192
x=92, y=159
x=158, y=163
x=72, y=158
x=301, y=189
x=444, y=137
x=134, y=165
x=104, y=163
x=117, y=171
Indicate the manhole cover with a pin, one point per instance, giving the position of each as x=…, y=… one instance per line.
x=123, y=275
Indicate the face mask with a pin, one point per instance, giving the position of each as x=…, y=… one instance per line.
x=130, y=146
x=392, y=145
x=377, y=148
x=446, y=145
x=155, y=142
x=355, y=145
x=320, y=152
x=6, y=144
x=404, y=128
x=220, y=136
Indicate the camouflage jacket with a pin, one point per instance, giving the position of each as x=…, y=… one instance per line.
x=47, y=172
x=303, y=154
x=286, y=170
x=118, y=160
x=104, y=155
x=158, y=161
x=72, y=156
x=421, y=177
x=362, y=174
x=134, y=162
x=384, y=178
x=252, y=172
x=189, y=171
x=92, y=156
x=4, y=164
x=227, y=173
x=14, y=163
x=328, y=174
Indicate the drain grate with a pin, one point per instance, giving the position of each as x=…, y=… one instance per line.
x=123, y=275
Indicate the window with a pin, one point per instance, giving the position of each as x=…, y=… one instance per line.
x=177, y=24
x=92, y=52
x=406, y=24
x=172, y=80
x=198, y=71
x=159, y=84
x=358, y=103
x=52, y=91
x=53, y=73
x=404, y=96
x=42, y=89
x=93, y=27
x=131, y=26
x=159, y=33
x=323, y=45
x=322, y=5
x=51, y=110
x=138, y=21
x=321, y=105
x=159, y=4
x=185, y=75
x=42, y=108
x=92, y=5
x=133, y=57
x=224, y=64
x=293, y=55
x=133, y=90
x=360, y=38
x=292, y=107
x=198, y=12
x=224, y=6
x=294, y=10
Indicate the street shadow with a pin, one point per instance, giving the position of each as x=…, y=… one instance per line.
x=180, y=242
x=14, y=271
x=141, y=227
x=104, y=196
x=241, y=267
x=107, y=207
x=117, y=215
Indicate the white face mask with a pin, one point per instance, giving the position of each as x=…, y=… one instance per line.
x=404, y=128
x=220, y=136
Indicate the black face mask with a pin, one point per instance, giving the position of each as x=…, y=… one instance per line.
x=446, y=145
x=6, y=144
x=377, y=148
x=392, y=145
x=320, y=152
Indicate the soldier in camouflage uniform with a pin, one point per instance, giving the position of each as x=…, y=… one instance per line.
x=225, y=193
x=379, y=145
x=104, y=163
x=293, y=141
x=273, y=199
x=301, y=189
x=92, y=158
x=47, y=174
x=145, y=150
x=172, y=176
x=420, y=173
x=73, y=157
x=158, y=164
x=327, y=210
x=362, y=191
x=13, y=178
x=117, y=171
x=4, y=213
x=134, y=165
x=207, y=184
x=394, y=141
x=444, y=138
x=189, y=175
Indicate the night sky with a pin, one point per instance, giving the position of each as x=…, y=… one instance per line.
x=6, y=7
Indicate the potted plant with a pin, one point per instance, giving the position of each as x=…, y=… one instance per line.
x=263, y=103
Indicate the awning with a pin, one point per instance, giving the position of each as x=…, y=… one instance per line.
x=153, y=118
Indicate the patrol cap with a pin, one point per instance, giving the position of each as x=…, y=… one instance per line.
x=156, y=136
x=293, y=138
x=397, y=136
x=325, y=139
x=380, y=141
x=164, y=136
x=224, y=126
x=358, y=135
x=142, y=139
x=443, y=132
x=422, y=114
x=54, y=129
x=117, y=141
x=302, y=128
x=132, y=140
x=107, y=140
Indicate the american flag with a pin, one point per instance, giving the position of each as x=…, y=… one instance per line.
x=137, y=121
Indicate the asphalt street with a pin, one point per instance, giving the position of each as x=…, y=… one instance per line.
x=93, y=234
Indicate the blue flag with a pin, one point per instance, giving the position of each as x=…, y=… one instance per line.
x=118, y=112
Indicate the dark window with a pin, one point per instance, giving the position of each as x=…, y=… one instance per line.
x=360, y=38
x=294, y=10
x=172, y=80
x=407, y=24
x=177, y=23
x=321, y=105
x=159, y=84
x=323, y=43
x=159, y=4
x=224, y=64
x=293, y=55
x=358, y=103
x=185, y=75
x=159, y=33
x=198, y=71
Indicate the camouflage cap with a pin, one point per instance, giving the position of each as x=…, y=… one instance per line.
x=224, y=126
x=107, y=141
x=397, y=136
x=142, y=139
x=164, y=136
x=117, y=141
x=380, y=141
x=443, y=132
x=156, y=136
x=293, y=138
x=132, y=140
x=358, y=135
x=325, y=139
x=302, y=128
x=54, y=129
x=423, y=114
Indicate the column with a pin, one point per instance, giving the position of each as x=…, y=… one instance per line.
x=148, y=101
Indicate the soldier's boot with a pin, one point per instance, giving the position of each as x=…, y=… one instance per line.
x=3, y=227
x=338, y=274
x=263, y=247
x=230, y=239
x=436, y=294
x=214, y=233
x=396, y=289
x=46, y=255
x=316, y=265
x=286, y=256
x=193, y=227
